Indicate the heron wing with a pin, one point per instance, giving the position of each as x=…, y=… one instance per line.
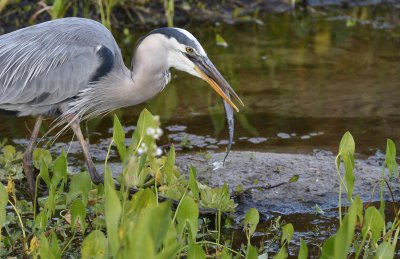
x=44, y=65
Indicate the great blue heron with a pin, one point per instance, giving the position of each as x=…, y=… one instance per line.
x=73, y=68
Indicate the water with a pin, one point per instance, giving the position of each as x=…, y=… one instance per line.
x=305, y=80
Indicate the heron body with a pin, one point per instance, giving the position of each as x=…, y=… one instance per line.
x=74, y=67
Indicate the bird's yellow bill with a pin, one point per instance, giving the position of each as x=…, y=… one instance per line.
x=219, y=90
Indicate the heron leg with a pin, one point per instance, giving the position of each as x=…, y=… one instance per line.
x=27, y=159
x=96, y=178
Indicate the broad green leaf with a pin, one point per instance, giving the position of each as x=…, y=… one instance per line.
x=282, y=254
x=41, y=221
x=390, y=160
x=59, y=170
x=3, y=204
x=193, y=183
x=80, y=184
x=169, y=166
x=349, y=175
x=328, y=248
x=44, y=174
x=170, y=244
x=251, y=220
x=303, y=253
x=287, y=233
x=159, y=220
x=225, y=254
x=345, y=234
x=78, y=215
x=347, y=144
x=119, y=138
x=251, y=252
x=94, y=245
x=9, y=152
x=373, y=222
x=187, y=215
x=54, y=245
x=113, y=212
x=140, y=245
x=146, y=120
x=40, y=155
x=196, y=252
x=45, y=249
x=385, y=251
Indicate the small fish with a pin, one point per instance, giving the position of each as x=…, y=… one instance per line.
x=231, y=125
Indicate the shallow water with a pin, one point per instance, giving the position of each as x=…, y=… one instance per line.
x=305, y=80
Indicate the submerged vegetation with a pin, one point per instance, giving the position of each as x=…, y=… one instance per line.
x=155, y=212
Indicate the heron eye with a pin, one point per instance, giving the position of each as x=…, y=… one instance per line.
x=189, y=50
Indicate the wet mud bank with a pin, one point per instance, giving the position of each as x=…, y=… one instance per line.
x=317, y=184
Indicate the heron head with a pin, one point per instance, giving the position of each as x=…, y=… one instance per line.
x=186, y=54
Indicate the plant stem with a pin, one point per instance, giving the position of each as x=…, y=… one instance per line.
x=21, y=223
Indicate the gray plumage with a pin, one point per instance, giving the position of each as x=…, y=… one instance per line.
x=73, y=66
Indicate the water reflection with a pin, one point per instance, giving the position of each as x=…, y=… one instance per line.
x=298, y=75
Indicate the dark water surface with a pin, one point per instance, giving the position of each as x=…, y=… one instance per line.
x=305, y=80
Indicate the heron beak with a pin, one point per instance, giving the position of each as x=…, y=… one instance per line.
x=209, y=73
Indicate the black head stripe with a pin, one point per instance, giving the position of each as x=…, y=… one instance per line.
x=176, y=34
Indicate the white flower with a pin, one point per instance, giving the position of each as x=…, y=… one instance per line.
x=158, y=152
x=150, y=131
x=144, y=147
x=140, y=151
x=159, y=132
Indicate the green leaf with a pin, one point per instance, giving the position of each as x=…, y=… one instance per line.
x=196, y=252
x=187, y=215
x=220, y=41
x=345, y=234
x=94, y=245
x=113, y=212
x=390, y=160
x=80, y=184
x=169, y=166
x=9, y=152
x=44, y=174
x=158, y=221
x=349, y=175
x=225, y=254
x=251, y=220
x=287, y=233
x=303, y=253
x=46, y=250
x=59, y=170
x=374, y=223
x=40, y=155
x=251, y=252
x=146, y=120
x=193, y=183
x=385, y=251
x=347, y=144
x=282, y=254
x=78, y=215
x=3, y=204
x=328, y=248
x=294, y=178
x=119, y=138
